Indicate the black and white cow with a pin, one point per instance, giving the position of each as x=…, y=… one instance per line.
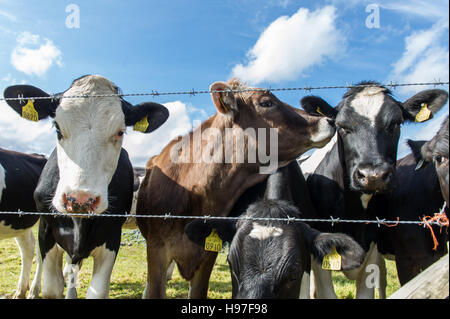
x=19, y=175
x=419, y=192
x=351, y=176
x=270, y=258
x=88, y=174
x=435, y=151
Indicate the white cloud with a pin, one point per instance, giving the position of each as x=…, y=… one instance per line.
x=432, y=10
x=22, y=135
x=424, y=58
x=8, y=16
x=34, y=55
x=291, y=45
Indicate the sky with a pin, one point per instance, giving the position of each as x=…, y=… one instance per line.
x=172, y=46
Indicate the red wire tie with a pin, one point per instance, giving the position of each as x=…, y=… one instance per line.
x=441, y=219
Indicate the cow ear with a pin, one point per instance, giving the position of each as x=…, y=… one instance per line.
x=30, y=109
x=322, y=244
x=315, y=105
x=422, y=106
x=145, y=117
x=198, y=230
x=421, y=153
x=223, y=99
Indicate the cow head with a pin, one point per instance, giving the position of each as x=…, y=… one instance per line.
x=368, y=120
x=90, y=131
x=435, y=151
x=297, y=130
x=268, y=258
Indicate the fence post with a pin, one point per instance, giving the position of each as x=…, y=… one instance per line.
x=432, y=283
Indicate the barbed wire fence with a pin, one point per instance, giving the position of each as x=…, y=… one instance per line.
x=193, y=92
x=438, y=219
x=439, y=222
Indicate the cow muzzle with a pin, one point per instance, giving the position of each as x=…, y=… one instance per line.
x=373, y=179
x=81, y=202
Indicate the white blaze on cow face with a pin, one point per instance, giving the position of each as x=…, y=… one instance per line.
x=88, y=147
x=368, y=102
x=262, y=232
x=2, y=181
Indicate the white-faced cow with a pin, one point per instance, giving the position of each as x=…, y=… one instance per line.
x=422, y=189
x=199, y=186
x=19, y=175
x=352, y=176
x=88, y=174
x=272, y=258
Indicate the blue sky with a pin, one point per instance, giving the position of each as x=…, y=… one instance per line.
x=182, y=45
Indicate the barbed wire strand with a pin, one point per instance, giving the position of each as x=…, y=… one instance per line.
x=192, y=92
x=288, y=220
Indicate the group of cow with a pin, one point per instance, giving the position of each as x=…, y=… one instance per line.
x=354, y=174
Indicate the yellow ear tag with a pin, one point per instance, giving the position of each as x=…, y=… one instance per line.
x=142, y=125
x=213, y=242
x=320, y=112
x=225, y=108
x=424, y=113
x=332, y=261
x=29, y=112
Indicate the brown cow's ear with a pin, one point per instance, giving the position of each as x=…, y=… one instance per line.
x=422, y=106
x=315, y=105
x=223, y=98
x=31, y=109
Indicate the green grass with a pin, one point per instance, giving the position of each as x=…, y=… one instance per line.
x=129, y=274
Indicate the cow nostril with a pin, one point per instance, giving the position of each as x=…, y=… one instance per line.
x=360, y=175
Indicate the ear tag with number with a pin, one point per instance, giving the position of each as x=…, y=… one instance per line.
x=424, y=113
x=29, y=112
x=213, y=242
x=142, y=125
x=332, y=261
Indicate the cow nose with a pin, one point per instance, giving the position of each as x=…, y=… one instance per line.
x=80, y=202
x=374, y=179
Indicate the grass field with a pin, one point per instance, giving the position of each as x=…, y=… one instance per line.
x=129, y=274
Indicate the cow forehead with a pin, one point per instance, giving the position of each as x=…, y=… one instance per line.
x=103, y=111
x=368, y=103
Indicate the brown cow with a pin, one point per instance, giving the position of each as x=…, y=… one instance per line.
x=201, y=186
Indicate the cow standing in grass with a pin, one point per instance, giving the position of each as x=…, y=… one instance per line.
x=88, y=174
x=202, y=184
x=19, y=175
x=351, y=177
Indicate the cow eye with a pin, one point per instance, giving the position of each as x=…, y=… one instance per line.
x=266, y=103
x=439, y=159
x=58, y=131
x=120, y=134
x=344, y=131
